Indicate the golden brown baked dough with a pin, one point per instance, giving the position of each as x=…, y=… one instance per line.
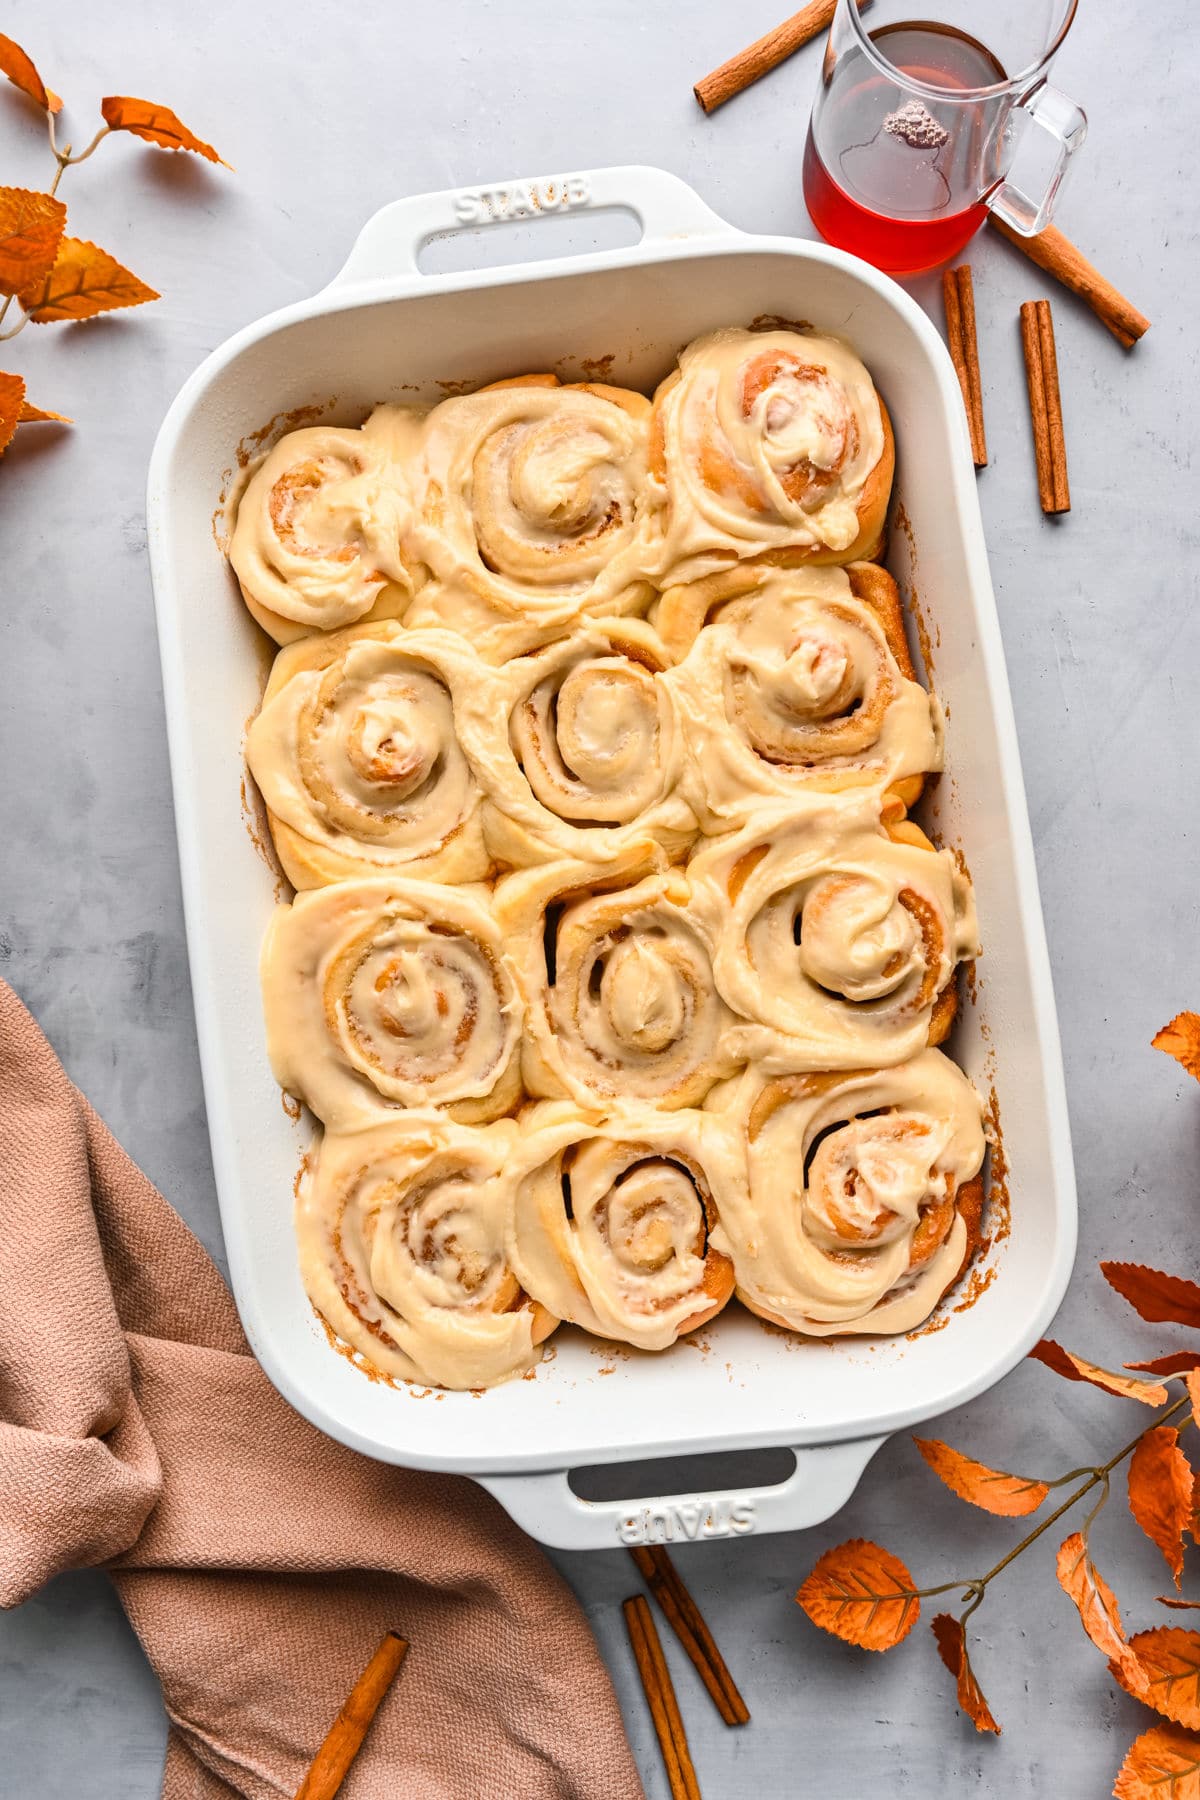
x=527, y=502
x=863, y=1195
x=386, y=993
x=356, y=753
x=770, y=445
x=795, y=680
x=402, y=1248
x=317, y=541
x=612, y=1223
x=835, y=935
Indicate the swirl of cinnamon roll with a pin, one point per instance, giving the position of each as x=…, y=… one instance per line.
x=317, y=542
x=864, y=1196
x=612, y=1222
x=803, y=679
x=356, y=754
x=770, y=445
x=386, y=993
x=837, y=936
x=578, y=749
x=617, y=983
x=528, y=496
x=402, y=1249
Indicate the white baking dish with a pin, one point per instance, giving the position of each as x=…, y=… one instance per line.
x=383, y=331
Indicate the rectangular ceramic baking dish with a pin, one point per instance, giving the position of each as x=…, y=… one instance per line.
x=383, y=331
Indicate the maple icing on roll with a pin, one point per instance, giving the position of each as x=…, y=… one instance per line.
x=769, y=444
x=863, y=1198
x=796, y=679
x=618, y=986
x=578, y=748
x=387, y=993
x=356, y=753
x=402, y=1249
x=837, y=936
x=612, y=1222
x=528, y=501
x=317, y=542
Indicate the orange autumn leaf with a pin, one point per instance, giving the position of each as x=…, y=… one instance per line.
x=38, y=415
x=952, y=1648
x=1170, y=1662
x=1181, y=1039
x=12, y=394
x=1076, y=1368
x=863, y=1594
x=155, y=124
x=20, y=71
x=1099, y=1613
x=1160, y=1492
x=1177, y=1603
x=31, y=228
x=1011, y=1496
x=1162, y=1299
x=1177, y=1363
x=1163, y=1764
x=84, y=281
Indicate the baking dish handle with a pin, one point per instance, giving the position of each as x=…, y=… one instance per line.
x=547, y=1508
x=389, y=243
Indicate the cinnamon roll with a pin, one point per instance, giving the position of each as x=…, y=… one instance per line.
x=386, y=993
x=802, y=679
x=617, y=983
x=837, y=936
x=402, y=1249
x=864, y=1194
x=612, y=1223
x=771, y=445
x=528, y=496
x=317, y=542
x=578, y=749
x=356, y=754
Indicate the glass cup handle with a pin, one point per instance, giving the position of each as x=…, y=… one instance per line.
x=1067, y=125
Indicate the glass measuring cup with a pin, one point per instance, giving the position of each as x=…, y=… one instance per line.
x=919, y=128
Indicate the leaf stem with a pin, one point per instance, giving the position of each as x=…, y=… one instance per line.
x=1100, y=1474
x=84, y=154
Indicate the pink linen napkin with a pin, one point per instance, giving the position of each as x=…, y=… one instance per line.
x=258, y=1561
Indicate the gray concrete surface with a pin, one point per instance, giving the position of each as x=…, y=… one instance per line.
x=327, y=113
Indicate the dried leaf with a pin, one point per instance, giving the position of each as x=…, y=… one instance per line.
x=12, y=393
x=1161, y=1298
x=37, y=415
x=1099, y=1613
x=1009, y=1495
x=1160, y=1492
x=20, y=71
x=1181, y=1039
x=31, y=228
x=861, y=1593
x=1163, y=1764
x=155, y=124
x=1177, y=1603
x=84, y=281
x=1075, y=1368
x=952, y=1648
x=1170, y=1660
x=1177, y=1363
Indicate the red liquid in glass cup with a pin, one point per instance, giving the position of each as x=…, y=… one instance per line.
x=894, y=194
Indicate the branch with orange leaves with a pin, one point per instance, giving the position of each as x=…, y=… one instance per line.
x=50, y=276
x=865, y=1595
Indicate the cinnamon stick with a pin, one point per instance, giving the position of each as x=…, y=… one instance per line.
x=958, y=291
x=660, y=1697
x=765, y=54
x=329, y=1766
x=688, y=1624
x=1051, y=251
x=1045, y=406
